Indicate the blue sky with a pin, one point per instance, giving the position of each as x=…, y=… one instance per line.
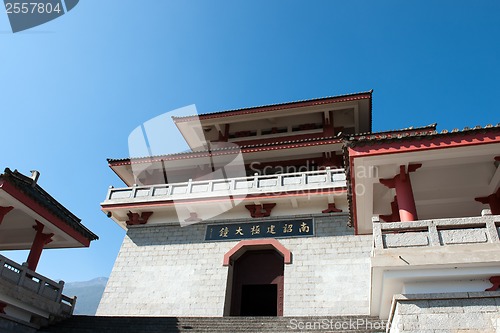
x=72, y=90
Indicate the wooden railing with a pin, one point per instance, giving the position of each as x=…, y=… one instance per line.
x=21, y=276
x=257, y=184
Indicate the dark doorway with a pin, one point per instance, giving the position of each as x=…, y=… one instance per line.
x=257, y=288
x=259, y=300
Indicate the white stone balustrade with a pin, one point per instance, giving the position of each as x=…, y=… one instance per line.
x=32, y=282
x=438, y=232
x=258, y=184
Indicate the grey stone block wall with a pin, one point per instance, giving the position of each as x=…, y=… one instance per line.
x=10, y=325
x=330, y=274
x=447, y=313
x=167, y=270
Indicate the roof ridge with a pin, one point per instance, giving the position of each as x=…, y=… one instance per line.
x=274, y=104
x=355, y=139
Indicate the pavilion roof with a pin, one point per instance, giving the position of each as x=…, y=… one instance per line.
x=28, y=186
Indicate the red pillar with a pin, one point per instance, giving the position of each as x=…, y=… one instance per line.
x=404, y=192
x=39, y=242
x=4, y=211
x=2, y=307
x=493, y=200
x=394, y=216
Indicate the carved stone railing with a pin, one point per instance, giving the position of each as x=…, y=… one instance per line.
x=439, y=232
x=257, y=184
x=35, y=283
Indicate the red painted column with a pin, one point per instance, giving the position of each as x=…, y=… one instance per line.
x=493, y=200
x=394, y=216
x=2, y=307
x=39, y=242
x=404, y=192
x=4, y=211
x=495, y=203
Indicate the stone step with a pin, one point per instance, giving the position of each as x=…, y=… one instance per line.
x=337, y=324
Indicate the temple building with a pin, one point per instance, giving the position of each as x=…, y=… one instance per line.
x=31, y=219
x=299, y=209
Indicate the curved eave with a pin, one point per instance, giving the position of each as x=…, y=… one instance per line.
x=124, y=168
x=218, y=152
x=82, y=236
x=280, y=106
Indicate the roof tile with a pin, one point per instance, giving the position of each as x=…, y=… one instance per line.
x=25, y=185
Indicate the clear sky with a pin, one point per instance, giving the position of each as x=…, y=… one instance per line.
x=72, y=90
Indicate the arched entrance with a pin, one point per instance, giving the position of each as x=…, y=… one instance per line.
x=257, y=284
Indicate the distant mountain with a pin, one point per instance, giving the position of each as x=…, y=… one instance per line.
x=88, y=294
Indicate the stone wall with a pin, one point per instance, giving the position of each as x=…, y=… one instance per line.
x=446, y=312
x=164, y=270
x=330, y=274
x=11, y=325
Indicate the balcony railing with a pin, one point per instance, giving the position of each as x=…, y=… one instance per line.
x=258, y=184
x=439, y=232
x=20, y=275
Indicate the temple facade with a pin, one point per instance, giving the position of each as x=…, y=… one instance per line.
x=299, y=209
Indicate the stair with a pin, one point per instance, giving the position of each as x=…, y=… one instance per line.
x=337, y=324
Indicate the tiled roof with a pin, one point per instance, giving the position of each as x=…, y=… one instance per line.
x=233, y=147
x=374, y=138
x=430, y=127
x=25, y=185
x=278, y=106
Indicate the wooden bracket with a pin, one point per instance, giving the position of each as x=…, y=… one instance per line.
x=331, y=209
x=193, y=218
x=136, y=218
x=495, y=281
x=263, y=210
